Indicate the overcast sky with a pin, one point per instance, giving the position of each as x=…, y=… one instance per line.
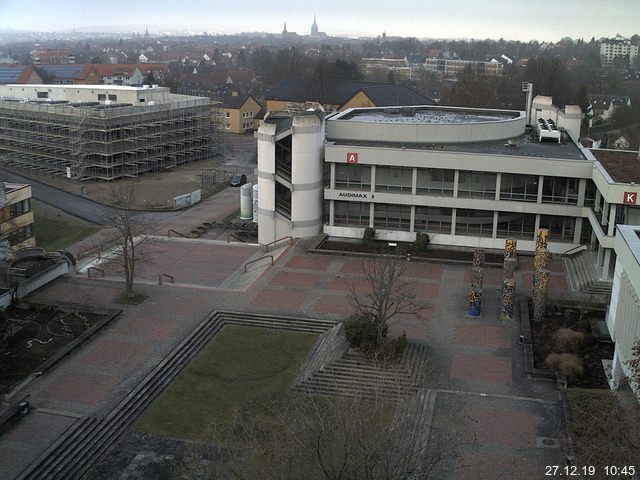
x=544, y=20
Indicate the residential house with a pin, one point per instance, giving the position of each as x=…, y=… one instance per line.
x=239, y=113
x=68, y=74
x=19, y=74
x=603, y=106
x=296, y=94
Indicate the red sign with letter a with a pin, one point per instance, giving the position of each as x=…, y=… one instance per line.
x=630, y=198
x=352, y=157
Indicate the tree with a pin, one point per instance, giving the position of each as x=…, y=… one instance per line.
x=132, y=229
x=319, y=438
x=387, y=296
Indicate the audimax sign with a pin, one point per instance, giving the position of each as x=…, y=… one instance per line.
x=354, y=195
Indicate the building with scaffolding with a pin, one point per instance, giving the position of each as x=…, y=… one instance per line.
x=102, y=132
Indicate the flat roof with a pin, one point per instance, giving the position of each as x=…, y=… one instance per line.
x=623, y=166
x=426, y=114
x=526, y=145
x=80, y=87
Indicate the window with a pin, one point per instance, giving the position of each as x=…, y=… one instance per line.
x=519, y=187
x=435, y=181
x=477, y=223
x=351, y=213
x=354, y=177
x=43, y=94
x=394, y=179
x=102, y=97
x=142, y=100
x=19, y=235
x=227, y=114
x=20, y=208
x=590, y=194
x=560, y=228
x=392, y=217
x=113, y=97
x=560, y=190
x=516, y=225
x=476, y=184
x=433, y=219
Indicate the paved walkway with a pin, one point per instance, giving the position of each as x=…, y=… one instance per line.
x=476, y=364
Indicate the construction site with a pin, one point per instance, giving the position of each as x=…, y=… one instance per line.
x=103, y=133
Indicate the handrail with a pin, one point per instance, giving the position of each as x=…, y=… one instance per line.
x=175, y=231
x=170, y=277
x=96, y=269
x=266, y=247
x=573, y=250
x=100, y=247
x=257, y=259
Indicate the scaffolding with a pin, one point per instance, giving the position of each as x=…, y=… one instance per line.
x=106, y=142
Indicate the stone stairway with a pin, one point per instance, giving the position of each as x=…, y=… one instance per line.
x=583, y=275
x=355, y=375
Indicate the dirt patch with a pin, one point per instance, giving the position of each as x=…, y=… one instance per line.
x=590, y=353
x=36, y=333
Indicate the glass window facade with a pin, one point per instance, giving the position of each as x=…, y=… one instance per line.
x=394, y=179
x=590, y=193
x=560, y=228
x=433, y=219
x=519, y=187
x=353, y=177
x=477, y=223
x=354, y=214
x=560, y=190
x=392, y=217
x=435, y=181
x=516, y=225
x=476, y=184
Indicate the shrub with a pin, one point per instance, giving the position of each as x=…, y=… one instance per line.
x=360, y=332
x=568, y=340
x=566, y=363
x=422, y=243
x=369, y=236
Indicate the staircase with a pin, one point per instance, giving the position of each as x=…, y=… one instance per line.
x=583, y=276
x=356, y=375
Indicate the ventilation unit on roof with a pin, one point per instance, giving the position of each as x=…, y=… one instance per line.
x=548, y=131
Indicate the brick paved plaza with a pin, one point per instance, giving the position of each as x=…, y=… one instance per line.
x=475, y=362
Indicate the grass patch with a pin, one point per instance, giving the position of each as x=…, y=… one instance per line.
x=244, y=370
x=136, y=299
x=54, y=233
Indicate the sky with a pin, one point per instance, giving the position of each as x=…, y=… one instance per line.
x=543, y=20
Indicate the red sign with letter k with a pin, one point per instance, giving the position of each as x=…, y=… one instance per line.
x=630, y=198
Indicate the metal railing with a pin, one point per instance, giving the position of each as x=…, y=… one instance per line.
x=176, y=232
x=165, y=275
x=94, y=269
x=256, y=260
x=574, y=250
x=288, y=237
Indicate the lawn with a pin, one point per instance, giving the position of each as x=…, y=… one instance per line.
x=244, y=370
x=54, y=231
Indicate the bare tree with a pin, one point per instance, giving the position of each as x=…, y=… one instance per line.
x=131, y=228
x=387, y=296
x=320, y=438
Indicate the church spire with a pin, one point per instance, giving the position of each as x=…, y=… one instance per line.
x=314, y=27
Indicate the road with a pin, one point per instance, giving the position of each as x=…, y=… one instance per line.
x=78, y=206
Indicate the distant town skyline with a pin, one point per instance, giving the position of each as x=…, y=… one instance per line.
x=512, y=20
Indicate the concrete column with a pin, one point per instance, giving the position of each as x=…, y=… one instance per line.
x=605, y=213
x=332, y=182
x=453, y=221
x=596, y=206
x=412, y=221
x=332, y=210
x=606, y=264
x=371, y=214
x=414, y=183
x=612, y=218
x=536, y=226
x=582, y=188
x=456, y=179
x=373, y=178
x=600, y=255
x=577, y=230
x=494, y=232
x=540, y=185
x=498, y=182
